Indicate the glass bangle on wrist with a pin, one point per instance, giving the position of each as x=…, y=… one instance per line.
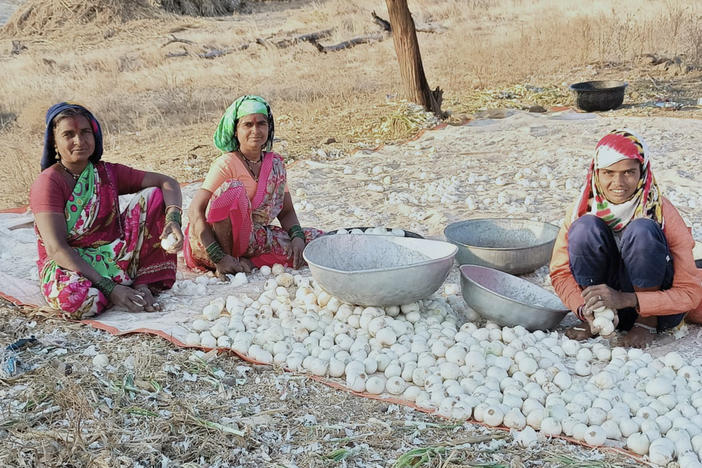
x=215, y=252
x=174, y=217
x=296, y=231
x=579, y=313
x=105, y=285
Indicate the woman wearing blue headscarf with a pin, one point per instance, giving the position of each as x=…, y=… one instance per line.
x=245, y=190
x=92, y=254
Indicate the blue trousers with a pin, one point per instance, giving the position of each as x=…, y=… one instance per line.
x=644, y=261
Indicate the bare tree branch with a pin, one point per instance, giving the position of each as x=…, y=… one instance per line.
x=383, y=23
x=350, y=43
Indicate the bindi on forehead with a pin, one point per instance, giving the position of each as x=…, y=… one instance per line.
x=257, y=118
x=77, y=121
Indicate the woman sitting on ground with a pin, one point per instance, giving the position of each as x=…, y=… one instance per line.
x=91, y=254
x=625, y=247
x=245, y=189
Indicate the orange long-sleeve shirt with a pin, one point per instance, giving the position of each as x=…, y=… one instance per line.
x=684, y=296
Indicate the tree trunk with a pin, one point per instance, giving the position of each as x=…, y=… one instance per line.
x=404, y=37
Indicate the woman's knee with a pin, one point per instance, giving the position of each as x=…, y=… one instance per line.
x=642, y=233
x=152, y=199
x=646, y=255
x=643, y=241
x=222, y=229
x=586, y=233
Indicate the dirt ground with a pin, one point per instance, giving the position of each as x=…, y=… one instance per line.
x=158, y=405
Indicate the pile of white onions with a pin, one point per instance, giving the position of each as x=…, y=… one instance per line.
x=426, y=353
x=378, y=231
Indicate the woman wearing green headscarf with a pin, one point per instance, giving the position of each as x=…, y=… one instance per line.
x=245, y=190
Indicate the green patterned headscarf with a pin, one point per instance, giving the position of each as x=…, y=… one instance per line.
x=224, y=137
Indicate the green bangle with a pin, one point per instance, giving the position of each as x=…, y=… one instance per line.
x=173, y=217
x=296, y=231
x=215, y=252
x=105, y=285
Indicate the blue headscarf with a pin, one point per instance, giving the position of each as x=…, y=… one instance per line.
x=224, y=137
x=48, y=158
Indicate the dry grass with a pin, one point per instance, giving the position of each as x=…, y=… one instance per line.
x=46, y=17
x=199, y=7
x=156, y=109
x=157, y=405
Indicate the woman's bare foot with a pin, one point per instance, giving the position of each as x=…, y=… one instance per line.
x=637, y=337
x=150, y=302
x=579, y=332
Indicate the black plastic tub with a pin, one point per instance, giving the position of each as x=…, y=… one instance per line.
x=599, y=95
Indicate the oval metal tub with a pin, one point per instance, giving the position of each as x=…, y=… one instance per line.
x=379, y=270
x=515, y=246
x=508, y=300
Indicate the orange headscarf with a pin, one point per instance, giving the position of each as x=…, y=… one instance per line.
x=616, y=146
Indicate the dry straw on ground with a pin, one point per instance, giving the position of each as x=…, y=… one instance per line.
x=42, y=17
x=50, y=17
x=156, y=405
x=199, y=7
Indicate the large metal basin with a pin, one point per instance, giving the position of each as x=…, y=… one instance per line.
x=515, y=246
x=509, y=300
x=379, y=270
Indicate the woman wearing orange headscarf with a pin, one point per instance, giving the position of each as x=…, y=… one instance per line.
x=625, y=247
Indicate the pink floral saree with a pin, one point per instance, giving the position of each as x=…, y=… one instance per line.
x=252, y=233
x=122, y=246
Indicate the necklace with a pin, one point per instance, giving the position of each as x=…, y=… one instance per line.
x=248, y=164
x=72, y=174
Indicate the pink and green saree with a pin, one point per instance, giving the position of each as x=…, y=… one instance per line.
x=122, y=246
x=252, y=233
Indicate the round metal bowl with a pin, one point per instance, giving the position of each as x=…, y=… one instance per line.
x=598, y=95
x=515, y=246
x=508, y=300
x=379, y=270
x=363, y=228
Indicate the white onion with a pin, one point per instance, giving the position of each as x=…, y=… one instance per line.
x=661, y=451
x=514, y=419
x=595, y=436
x=526, y=437
x=550, y=426
x=395, y=385
x=192, y=339
x=493, y=416
x=579, y=430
